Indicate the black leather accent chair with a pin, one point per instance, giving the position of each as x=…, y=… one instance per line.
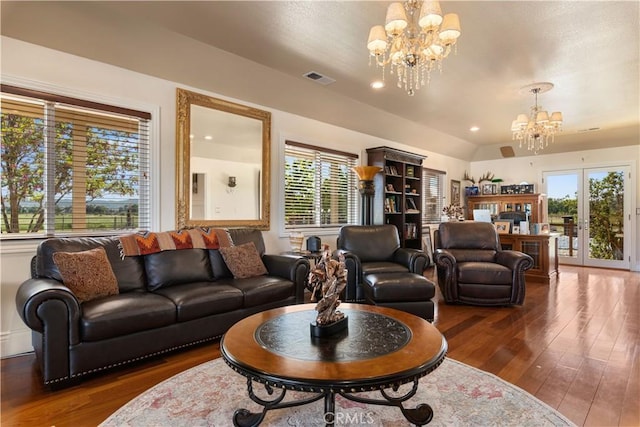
x=374, y=249
x=473, y=269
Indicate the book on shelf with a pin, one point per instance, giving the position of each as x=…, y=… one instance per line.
x=390, y=205
x=410, y=171
x=393, y=169
x=410, y=230
x=411, y=205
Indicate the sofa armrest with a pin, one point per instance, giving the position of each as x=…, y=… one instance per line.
x=415, y=260
x=33, y=298
x=516, y=261
x=52, y=312
x=354, y=273
x=446, y=269
x=292, y=267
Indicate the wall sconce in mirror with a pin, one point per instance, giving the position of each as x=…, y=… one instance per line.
x=231, y=184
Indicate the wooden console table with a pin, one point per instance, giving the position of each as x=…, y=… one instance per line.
x=543, y=248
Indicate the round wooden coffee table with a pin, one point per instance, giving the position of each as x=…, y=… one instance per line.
x=382, y=348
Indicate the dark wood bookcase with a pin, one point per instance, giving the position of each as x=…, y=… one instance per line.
x=398, y=187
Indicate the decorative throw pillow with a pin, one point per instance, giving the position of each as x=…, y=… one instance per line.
x=88, y=273
x=243, y=260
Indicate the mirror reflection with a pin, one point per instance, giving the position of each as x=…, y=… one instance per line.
x=222, y=163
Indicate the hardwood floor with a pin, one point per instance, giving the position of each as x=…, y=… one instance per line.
x=574, y=344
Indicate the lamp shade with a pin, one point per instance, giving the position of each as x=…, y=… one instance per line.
x=366, y=173
x=430, y=14
x=522, y=119
x=377, y=40
x=396, y=20
x=542, y=117
x=450, y=29
x=556, y=118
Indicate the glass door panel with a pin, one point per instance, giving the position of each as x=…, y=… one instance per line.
x=565, y=213
x=590, y=209
x=608, y=217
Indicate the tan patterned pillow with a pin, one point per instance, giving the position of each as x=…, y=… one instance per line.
x=243, y=260
x=88, y=273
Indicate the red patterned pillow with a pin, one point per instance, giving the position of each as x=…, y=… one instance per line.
x=243, y=260
x=88, y=273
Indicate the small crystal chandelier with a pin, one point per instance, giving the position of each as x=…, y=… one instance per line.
x=413, y=41
x=536, y=130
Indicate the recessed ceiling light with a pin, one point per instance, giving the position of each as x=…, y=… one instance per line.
x=377, y=84
x=208, y=137
x=191, y=136
x=474, y=128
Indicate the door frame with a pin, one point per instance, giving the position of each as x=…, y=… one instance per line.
x=630, y=222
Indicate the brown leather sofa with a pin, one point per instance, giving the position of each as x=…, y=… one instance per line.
x=201, y=302
x=473, y=269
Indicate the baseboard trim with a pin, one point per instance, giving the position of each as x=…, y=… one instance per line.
x=15, y=343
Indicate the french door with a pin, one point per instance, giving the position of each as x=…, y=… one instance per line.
x=591, y=209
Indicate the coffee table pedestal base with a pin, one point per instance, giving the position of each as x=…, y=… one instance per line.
x=419, y=416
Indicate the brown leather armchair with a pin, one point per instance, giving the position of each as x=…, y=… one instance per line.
x=374, y=249
x=473, y=269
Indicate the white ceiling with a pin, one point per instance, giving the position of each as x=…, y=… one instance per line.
x=257, y=51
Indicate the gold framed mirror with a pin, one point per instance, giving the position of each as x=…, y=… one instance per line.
x=223, y=163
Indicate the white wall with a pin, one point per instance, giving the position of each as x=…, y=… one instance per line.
x=46, y=69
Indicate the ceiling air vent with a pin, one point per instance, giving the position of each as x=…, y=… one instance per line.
x=319, y=78
x=507, y=151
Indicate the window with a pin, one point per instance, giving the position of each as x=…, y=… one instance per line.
x=320, y=189
x=433, y=195
x=70, y=166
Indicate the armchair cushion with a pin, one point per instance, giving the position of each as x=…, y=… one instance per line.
x=382, y=267
x=486, y=273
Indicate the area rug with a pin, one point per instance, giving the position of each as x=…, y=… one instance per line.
x=460, y=395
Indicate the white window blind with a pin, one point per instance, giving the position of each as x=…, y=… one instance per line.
x=432, y=195
x=320, y=189
x=71, y=166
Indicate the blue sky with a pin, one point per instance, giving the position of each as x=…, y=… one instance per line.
x=560, y=186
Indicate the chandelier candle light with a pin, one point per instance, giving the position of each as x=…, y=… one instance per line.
x=536, y=130
x=414, y=40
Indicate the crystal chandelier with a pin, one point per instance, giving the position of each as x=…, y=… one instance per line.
x=414, y=40
x=536, y=130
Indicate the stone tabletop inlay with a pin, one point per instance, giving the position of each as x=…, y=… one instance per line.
x=289, y=335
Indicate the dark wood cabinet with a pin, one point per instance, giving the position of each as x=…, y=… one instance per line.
x=543, y=248
x=398, y=198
